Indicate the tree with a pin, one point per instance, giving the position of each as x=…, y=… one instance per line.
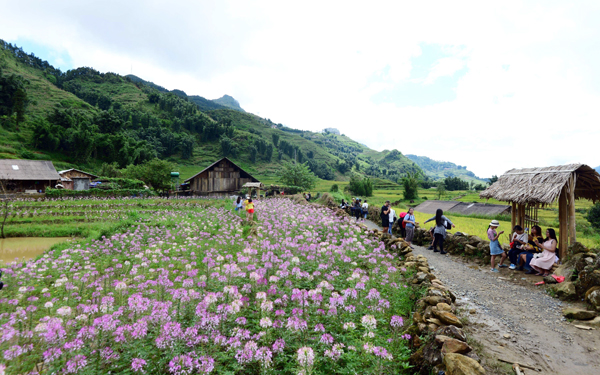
x=226, y=146
x=411, y=182
x=441, y=189
x=156, y=173
x=492, y=179
x=593, y=216
x=20, y=104
x=269, y=152
x=297, y=175
x=253, y=152
x=275, y=139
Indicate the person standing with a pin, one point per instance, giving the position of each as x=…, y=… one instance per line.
x=410, y=224
x=392, y=218
x=250, y=211
x=384, y=215
x=238, y=203
x=495, y=248
x=439, y=231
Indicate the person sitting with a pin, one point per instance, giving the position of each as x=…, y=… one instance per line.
x=530, y=249
x=518, y=241
x=343, y=205
x=543, y=262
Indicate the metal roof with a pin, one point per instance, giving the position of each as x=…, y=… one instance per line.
x=28, y=170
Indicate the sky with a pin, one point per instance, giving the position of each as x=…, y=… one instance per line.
x=490, y=85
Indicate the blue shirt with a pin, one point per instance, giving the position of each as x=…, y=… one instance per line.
x=409, y=218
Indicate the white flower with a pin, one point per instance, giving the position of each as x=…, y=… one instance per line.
x=266, y=322
x=121, y=285
x=48, y=305
x=64, y=311
x=188, y=267
x=22, y=289
x=349, y=325
x=295, y=260
x=369, y=322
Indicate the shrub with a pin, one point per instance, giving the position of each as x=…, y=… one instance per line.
x=63, y=193
x=593, y=216
x=334, y=188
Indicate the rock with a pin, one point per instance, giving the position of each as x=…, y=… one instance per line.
x=565, y=290
x=549, y=280
x=432, y=355
x=472, y=311
x=435, y=293
x=424, y=269
x=435, y=300
x=588, y=278
x=421, y=276
x=452, y=331
x=579, y=314
x=447, y=318
x=590, y=291
x=434, y=321
x=458, y=364
x=594, y=298
x=408, y=264
x=506, y=336
x=577, y=248
x=474, y=240
x=470, y=249
x=455, y=346
x=432, y=327
x=443, y=307
x=422, y=327
x=441, y=339
x=417, y=317
x=594, y=322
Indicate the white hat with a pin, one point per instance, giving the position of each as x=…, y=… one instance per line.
x=495, y=223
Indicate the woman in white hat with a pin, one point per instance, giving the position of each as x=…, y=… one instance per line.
x=495, y=248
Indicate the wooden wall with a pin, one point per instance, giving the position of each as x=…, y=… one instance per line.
x=223, y=177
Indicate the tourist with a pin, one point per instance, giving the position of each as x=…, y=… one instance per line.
x=357, y=210
x=495, y=248
x=543, y=262
x=250, y=211
x=530, y=249
x=409, y=223
x=365, y=209
x=441, y=223
x=392, y=218
x=343, y=205
x=518, y=241
x=384, y=214
x=402, y=224
x=352, y=205
x=238, y=203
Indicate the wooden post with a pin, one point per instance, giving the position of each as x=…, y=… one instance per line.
x=562, y=220
x=521, y=214
x=513, y=216
x=572, y=222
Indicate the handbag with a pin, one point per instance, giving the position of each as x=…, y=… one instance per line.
x=447, y=225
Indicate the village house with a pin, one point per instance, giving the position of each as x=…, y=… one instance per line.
x=27, y=176
x=221, y=177
x=74, y=179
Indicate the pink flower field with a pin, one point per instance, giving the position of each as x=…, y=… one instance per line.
x=195, y=290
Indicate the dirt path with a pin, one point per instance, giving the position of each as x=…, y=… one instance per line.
x=515, y=320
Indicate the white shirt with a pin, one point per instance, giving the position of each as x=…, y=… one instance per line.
x=365, y=206
x=392, y=214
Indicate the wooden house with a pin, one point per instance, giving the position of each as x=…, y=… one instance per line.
x=221, y=177
x=74, y=179
x=27, y=176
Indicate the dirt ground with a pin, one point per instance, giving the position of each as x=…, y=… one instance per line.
x=512, y=319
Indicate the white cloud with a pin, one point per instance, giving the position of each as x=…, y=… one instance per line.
x=530, y=86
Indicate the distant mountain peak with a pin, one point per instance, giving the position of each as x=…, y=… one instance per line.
x=229, y=102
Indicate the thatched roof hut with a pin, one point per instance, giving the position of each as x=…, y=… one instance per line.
x=544, y=185
x=529, y=188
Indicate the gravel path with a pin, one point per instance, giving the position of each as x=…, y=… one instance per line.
x=515, y=320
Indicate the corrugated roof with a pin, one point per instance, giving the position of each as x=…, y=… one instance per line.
x=27, y=170
x=217, y=162
x=464, y=208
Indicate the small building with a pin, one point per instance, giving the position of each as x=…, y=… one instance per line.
x=74, y=179
x=530, y=188
x=27, y=176
x=221, y=177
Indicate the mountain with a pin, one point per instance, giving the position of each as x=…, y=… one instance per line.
x=86, y=119
x=442, y=169
x=229, y=102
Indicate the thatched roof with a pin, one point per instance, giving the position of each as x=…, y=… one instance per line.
x=253, y=185
x=28, y=170
x=543, y=185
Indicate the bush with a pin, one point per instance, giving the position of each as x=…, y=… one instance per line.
x=334, y=188
x=121, y=183
x=593, y=216
x=411, y=186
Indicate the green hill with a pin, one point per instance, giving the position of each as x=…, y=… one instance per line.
x=83, y=118
x=442, y=169
x=229, y=102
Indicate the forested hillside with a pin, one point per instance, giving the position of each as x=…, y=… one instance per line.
x=84, y=118
x=442, y=169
